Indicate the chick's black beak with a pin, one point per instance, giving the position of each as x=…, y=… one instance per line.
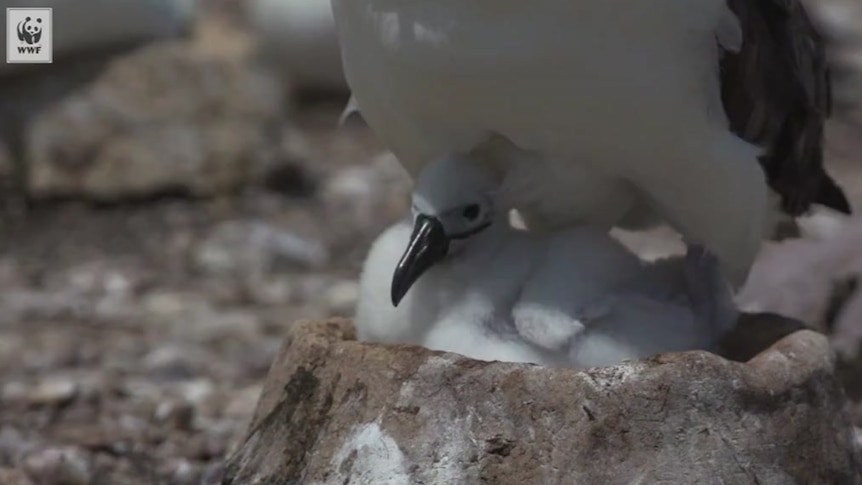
x=428, y=245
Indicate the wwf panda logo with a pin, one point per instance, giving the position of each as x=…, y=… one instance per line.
x=29, y=31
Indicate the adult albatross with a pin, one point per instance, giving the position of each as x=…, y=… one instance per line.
x=633, y=108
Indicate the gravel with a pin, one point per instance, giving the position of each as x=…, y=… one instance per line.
x=134, y=337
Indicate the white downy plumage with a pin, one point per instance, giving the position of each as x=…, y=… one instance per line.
x=574, y=297
x=619, y=101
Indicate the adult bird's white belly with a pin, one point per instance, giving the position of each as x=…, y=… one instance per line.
x=610, y=94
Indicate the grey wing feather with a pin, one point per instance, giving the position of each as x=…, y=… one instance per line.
x=776, y=92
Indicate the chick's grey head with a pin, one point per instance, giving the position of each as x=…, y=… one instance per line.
x=452, y=203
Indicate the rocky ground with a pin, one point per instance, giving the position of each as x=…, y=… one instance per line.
x=146, y=288
x=141, y=307
x=134, y=338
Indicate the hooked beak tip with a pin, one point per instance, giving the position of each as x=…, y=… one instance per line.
x=428, y=245
x=396, y=296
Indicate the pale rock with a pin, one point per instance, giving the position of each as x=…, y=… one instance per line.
x=365, y=195
x=59, y=466
x=243, y=402
x=131, y=423
x=15, y=445
x=342, y=296
x=213, y=474
x=311, y=287
x=183, y=472
x=190, y=317
x=247, y=249
x=166, y=307
x=23, y=303
x=98, y=278
x=169, y=117
x=11, y=476
x=180, y=415
x=174, y=361
x=14, y=391
x=53, y=391
x=334, y=411
x=237, y=325
x=101, y=291
x=143, y=389
x=270, y=290
x=197, y=391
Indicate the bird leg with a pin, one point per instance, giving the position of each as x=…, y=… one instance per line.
x=710, y=295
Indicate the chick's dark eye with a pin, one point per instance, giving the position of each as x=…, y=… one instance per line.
x=471, y=212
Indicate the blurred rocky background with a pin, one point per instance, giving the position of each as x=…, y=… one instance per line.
x=175, y=194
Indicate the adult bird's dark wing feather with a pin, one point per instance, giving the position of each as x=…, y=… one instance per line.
x=776, y=92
